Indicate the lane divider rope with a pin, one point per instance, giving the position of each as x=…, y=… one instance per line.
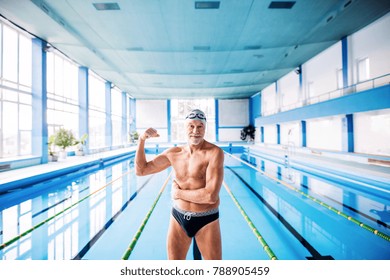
x=16, y=238
x=134, y=241
x=259, y=237
x=331, y=208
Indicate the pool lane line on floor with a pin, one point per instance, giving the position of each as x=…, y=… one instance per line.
x=16, y=238
x=315, y=255
x=96, y=237
x=338, y=212
x=255, y=231
x=131, y=246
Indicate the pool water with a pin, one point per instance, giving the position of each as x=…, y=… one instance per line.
x=267, y=210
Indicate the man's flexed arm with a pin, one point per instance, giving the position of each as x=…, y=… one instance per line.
x=144, y=167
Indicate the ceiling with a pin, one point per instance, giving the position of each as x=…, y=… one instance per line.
x=192, y=49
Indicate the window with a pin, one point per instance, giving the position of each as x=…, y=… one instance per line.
x=363, y=69
x=179, y=109
x=96, y=111
x=15, y=93
x=62, y=94
x=116, y=116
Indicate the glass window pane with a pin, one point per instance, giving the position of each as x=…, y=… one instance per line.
x=10, y=54
x=10, y=129
x=25, y=121
x=50, y=71
x=25, y=142
x=25, y=61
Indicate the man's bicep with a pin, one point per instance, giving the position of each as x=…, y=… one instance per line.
x=160, y=163
x=214, y=174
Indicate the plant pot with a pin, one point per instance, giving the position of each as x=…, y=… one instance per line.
x=62, y=154
x=53, y=158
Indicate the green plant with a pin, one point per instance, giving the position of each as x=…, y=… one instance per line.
x=82, y=141
x=64, y=138
x=50, y=144
x=134, y=136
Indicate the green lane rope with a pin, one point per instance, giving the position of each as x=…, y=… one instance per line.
x=260, y=238
x=331, y=208
x=16, y=238
x=143, y=224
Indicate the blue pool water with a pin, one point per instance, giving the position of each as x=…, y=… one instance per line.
x=299, y=214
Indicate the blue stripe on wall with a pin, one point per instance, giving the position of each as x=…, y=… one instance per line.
x=373, y=99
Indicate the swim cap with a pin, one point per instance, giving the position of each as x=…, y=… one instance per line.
x=196, y=114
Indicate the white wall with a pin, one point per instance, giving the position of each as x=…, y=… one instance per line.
x=152, y=113
x=289, y=91
x=320, y=72
x=290, y=134
x=233, y=116
x=324, y=133
x=372, y=132
x=372, y=42
x=268, y=100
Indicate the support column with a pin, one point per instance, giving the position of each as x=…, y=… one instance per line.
x=125, y=133
x=133, y=125
x=108, y=141
x=83, y=104
x=278, y=134
x=348, y=134
x=344, y=54
x=262, y=134
x=39, y=101
x=216, y=120
x=303, y=133
x=169, y=120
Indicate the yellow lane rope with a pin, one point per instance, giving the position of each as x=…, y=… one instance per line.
x=349, y=218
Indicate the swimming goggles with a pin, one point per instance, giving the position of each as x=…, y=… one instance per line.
x=193, y=115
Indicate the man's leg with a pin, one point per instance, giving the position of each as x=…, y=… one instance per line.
x=177, y=241
x=209, y=241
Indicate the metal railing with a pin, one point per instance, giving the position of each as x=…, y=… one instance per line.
x=361, y=86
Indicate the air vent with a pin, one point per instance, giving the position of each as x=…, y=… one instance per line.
x=201, y=48
x=106, y=6
x=199, y=71
x=253, y=47
x=135, y=49
x=258, y=55
x=207, y=5
x=281, y=4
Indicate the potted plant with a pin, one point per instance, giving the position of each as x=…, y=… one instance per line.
x=134, y=137
x=52, y=155
x=64, y=138
x=80, y=144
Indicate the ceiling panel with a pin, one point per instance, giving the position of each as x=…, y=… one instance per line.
x=168, y=48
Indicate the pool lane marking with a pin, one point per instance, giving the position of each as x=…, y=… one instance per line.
x=96, y=237
x=338, y=212
x=137, y=235
x=259, y=237
x=315, y=255
x=16, y=238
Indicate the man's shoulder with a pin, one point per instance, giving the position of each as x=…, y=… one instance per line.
x=214, y=148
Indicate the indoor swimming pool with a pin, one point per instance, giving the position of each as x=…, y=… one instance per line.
x=269, y=210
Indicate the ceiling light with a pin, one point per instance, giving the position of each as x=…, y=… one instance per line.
x=281, y=4
x=207, y=5
x=106, y=6
x=201, y=48
x=252, y=47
